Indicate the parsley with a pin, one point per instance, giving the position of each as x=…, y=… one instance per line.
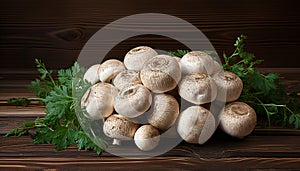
x=60, y=125
x=263, y=92
x=178, y=53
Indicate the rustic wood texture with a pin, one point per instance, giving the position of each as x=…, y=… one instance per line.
x=55, y=31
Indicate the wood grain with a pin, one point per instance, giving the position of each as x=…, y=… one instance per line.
x=56, y=31
x=20, y=153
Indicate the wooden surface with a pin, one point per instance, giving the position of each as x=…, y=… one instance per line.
x=264, y=149
x=55, y=31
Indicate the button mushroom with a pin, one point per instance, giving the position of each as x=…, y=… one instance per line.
x=92, y=74
x=165, y=112
x=229, y=83
x=98, y=100
x=238, y=119
x=119, y=128
x=136, y=57
x=126, y=77
x=198, y=88
x=196, y=62
x=133, y=100
x=146, y=137
x=161, y=73
x=196, y=124
x=109, y=69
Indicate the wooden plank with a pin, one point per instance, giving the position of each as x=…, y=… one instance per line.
x=61, y=28
x=18, y=152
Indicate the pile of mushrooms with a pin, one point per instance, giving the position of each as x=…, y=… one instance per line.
x=143, y=85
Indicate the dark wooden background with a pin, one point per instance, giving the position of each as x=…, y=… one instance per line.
x=56, y=30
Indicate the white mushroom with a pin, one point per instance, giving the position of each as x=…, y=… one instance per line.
x=198, y=88
x=161, y=73
x=146, y=137
x=92, y=74
x=229, y=83
x=109, y=69
x=238, y=119
x=196, y=124
x=133, y=100
x=136, y=57
x=119, y=128
x=197, y=62
x=98, y=100
x=126, y=77
x=165, y=112
x=217, y=67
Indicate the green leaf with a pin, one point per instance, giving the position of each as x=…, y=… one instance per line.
x=178, y=53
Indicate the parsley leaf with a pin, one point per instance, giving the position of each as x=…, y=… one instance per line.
x=60, y=125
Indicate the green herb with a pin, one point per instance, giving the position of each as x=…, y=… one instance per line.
x=178, y=53
x=60, y=125
x=264, y=93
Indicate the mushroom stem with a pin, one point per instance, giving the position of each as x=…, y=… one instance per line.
x=116, y=142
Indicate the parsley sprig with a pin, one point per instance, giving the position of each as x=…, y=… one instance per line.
x=60, y=125
x=264, y=93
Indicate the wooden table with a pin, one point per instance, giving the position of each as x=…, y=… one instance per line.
x=265, y=148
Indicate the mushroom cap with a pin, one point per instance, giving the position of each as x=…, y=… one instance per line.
x=198, y=88
x=146, y=137
x=161, y=73
x=238, y=119
x=136, y=57
x=165, y=112
x=92, y=74
x=126, y=77
x=197, y=62
x=109, y=69
x=98, y=100
x=196, y=124
x=229, y=83
x=133, y=100
x=119, y=127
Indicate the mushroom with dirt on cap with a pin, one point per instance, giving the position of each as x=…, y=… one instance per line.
x=119, y=128
x=198, y=88
x=165, y=112
x=126, y=77
x=238, y=119
x=161, y=73
x=229, y=86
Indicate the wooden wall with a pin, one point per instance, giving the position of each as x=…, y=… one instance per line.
x=56, y=30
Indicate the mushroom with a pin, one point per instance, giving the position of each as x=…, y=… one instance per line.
x=136, y=57
x=146, y=137
x=198, y=88
x=216, y=67
x=161, y=73
x=133, y=100
x=92, y=74
x=126, y=77
x=165, y=112
x=229, y=83
x=98, y=100
x=196, y=124
x=196, y=62
x=109, y=69
x=238, y=119
x=119, y=128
